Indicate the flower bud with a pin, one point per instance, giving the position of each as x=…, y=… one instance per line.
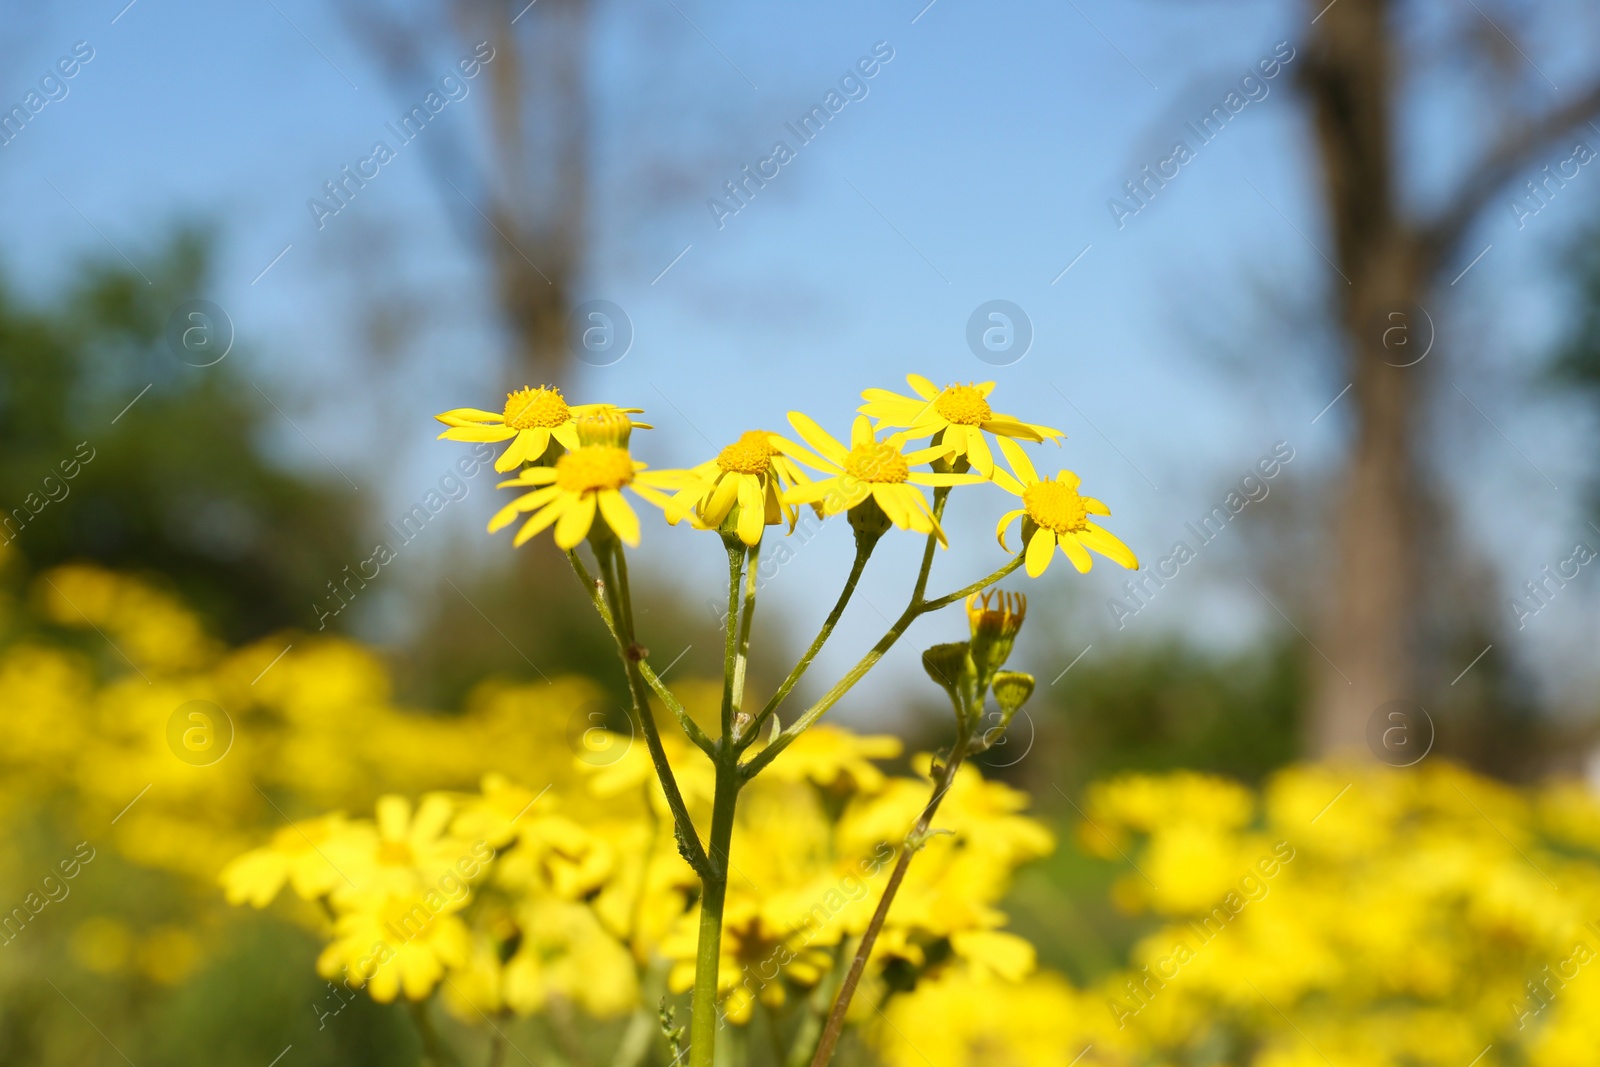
x=1011, y=691
x=607, y=427
x=950, y=665
x=995, y=617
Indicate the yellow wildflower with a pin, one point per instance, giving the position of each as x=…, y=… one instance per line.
x=868, y=470
x=958, y=415
x=531, y=419
x=396, y=942
x=588, y=479
x=1053, y=513
x=751, y=474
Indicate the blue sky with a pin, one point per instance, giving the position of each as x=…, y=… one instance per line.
x=977, y=167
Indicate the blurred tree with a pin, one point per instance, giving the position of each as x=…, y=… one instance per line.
x=1391, y=259
x=520, y=197
x=114, y=449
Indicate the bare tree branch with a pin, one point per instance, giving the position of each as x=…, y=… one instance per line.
x=1499, y=167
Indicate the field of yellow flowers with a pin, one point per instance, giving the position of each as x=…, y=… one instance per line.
x=525, y=877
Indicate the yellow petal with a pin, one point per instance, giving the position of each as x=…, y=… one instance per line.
x=722, y=500
x=752, y=510
x=542, y=519
x=478, y=433
x=1006, y=520
x=573, y=526
x=817, y=438
x=1019, y=460
x=620, y=516
x=861, y=432
x=567, y=434
x=922, y=387
x=978, y=453
x=529, y=476
x=1107, y=544
x=461, y=416
x=1077, y=554
x=530, y=444
x=1040, y=546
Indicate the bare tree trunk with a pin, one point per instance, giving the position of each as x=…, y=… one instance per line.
x=1388, y=263
x=1368, y=633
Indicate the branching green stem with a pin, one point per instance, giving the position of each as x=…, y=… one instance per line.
x=614, y=568
x=864, y=547
x=593, y=588
x=916, y=608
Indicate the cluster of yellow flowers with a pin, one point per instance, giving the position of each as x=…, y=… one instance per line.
x=507, y=897
x=574, y=462
x=579, y=463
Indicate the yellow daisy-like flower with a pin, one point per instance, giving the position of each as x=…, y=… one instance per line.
x=588, y=479
x=1053, y=513
x=750, y=473
x=959, y=414
x=532, y=417
x=868, y=469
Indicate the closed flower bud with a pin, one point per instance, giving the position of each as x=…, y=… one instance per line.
x=608, y=428
x=1011, y=691
x=950, y=666
x=995, y=617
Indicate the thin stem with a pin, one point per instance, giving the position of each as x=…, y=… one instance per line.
x=713, y=898
x=730, y=644
x=866, y=663
x=614, y=568
x=940, y=495
x=864, y=547
x=690, y=727
x=746, y=617
x=858, y=966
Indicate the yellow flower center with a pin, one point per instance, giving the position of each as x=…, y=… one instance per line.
x=963, y=405
x=594, y=467
x=877, y=462
x=751, y=454
x=530, y=408
x=1055, y=506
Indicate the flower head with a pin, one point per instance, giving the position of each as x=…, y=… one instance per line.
x=869, y=470
x=1053, y=513
x=958, y=414
x=531, y=419
x=749, y=475
x=588, y=479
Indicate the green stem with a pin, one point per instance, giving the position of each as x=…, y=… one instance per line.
x=864, y=547
x=914, y=841
x=730, y=644
x=713, y=897
x=690, y=727
x=615, y=570
x=741, y=663
x=866, y=663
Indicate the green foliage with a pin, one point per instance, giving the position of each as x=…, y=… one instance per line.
x=177, y=484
